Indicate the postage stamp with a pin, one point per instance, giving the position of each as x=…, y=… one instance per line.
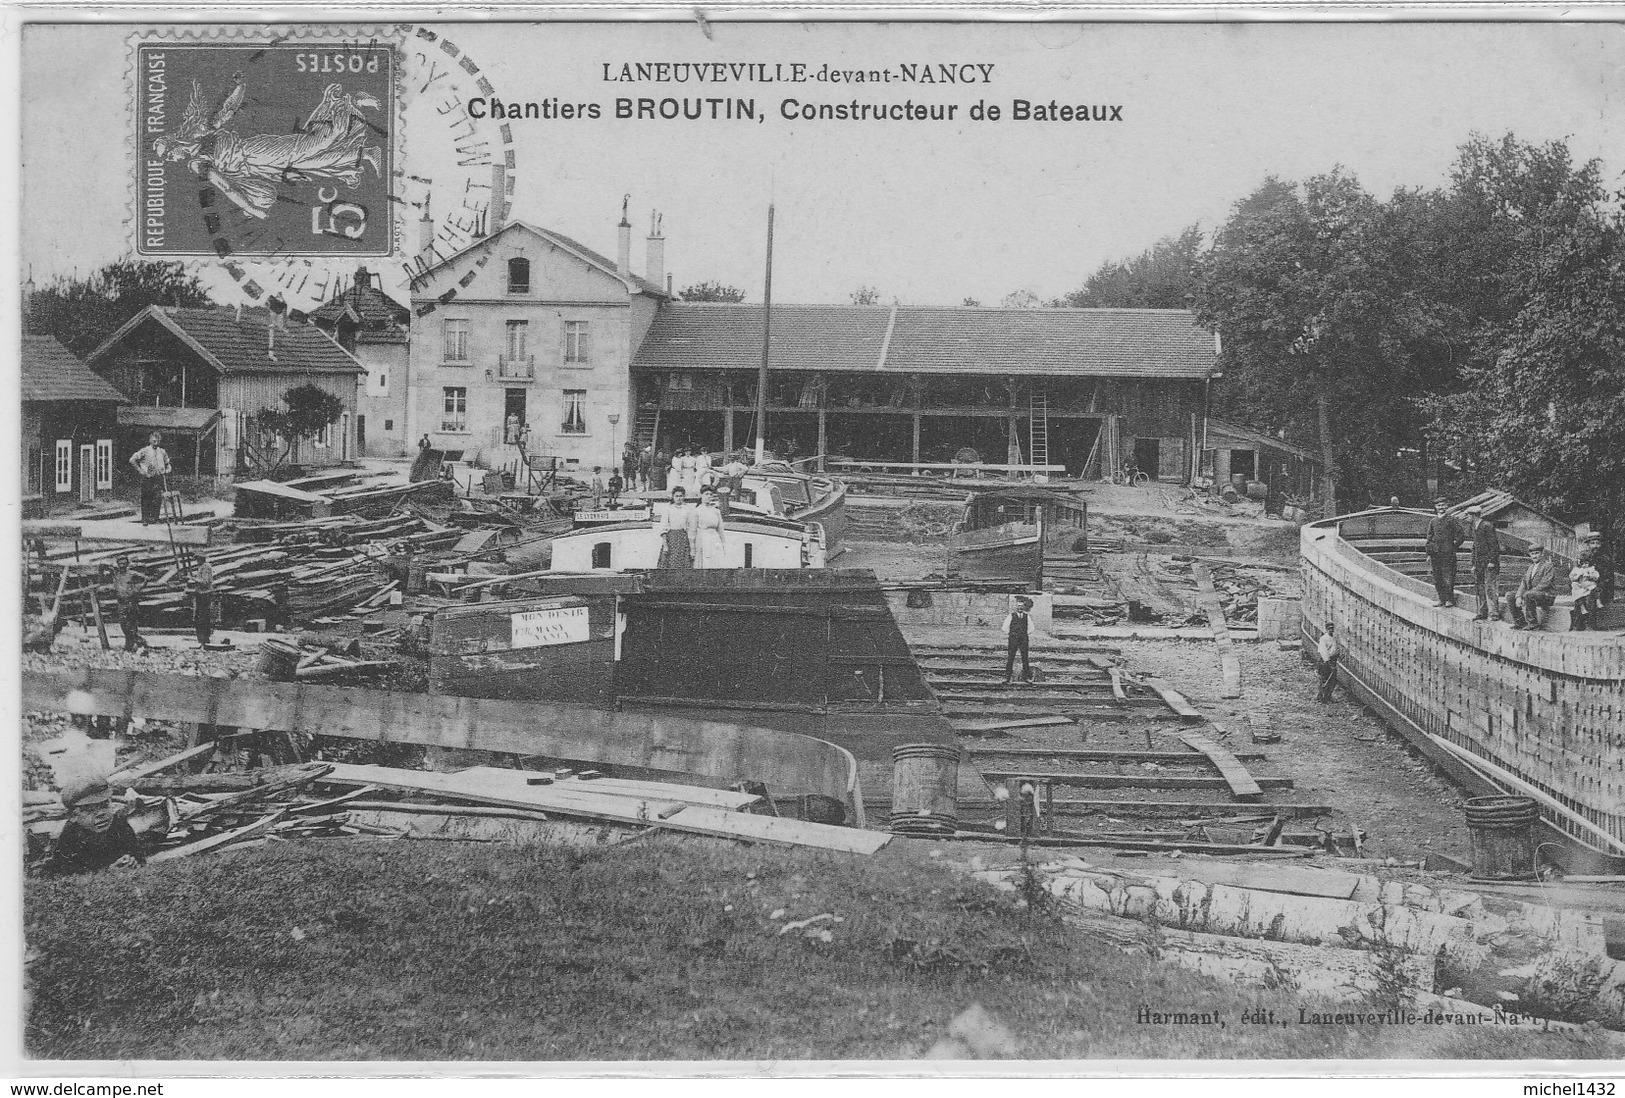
x=265, y=149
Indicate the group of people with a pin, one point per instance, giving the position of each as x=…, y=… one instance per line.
x=1536, y=591
x=693, y=536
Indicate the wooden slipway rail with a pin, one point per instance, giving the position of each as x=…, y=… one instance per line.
x=661, y=746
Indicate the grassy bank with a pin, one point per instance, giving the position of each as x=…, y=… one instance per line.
x=666, y=949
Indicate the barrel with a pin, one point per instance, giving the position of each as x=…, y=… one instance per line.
x=1502, y=830
x=925, y=789
x=1257, y=489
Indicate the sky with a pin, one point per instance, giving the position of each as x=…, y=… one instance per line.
x=929, y=213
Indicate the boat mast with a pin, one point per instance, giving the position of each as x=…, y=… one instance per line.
x=767, y=337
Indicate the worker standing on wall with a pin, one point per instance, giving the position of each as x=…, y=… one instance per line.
x=1326, y=651
x=202, y=584
x=1016, y=630
x=1445, y=536
x=1486, y=565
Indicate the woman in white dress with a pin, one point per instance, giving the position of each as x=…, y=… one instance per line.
x=710, y=550
x=704, y=476
x=682, y=468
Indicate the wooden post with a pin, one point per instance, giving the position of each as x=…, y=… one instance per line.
x=916, y=457
x=728, y=429
x=823, y=436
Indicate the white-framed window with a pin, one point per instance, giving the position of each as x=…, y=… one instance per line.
x=680, y=382
x=324, y=437
x=454, y=409
x=64, y=465
x=574, y=420
x=577, y=343
x=456, y=340
x=518, y=338
x=104, y=464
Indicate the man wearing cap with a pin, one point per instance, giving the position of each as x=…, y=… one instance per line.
x=1537, y=590
x=1015, y=633
x=1445, y=536
x=1486, y=565
x=94, y=838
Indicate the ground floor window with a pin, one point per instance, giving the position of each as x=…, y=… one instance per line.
x=454, y=409
x=104, y=464
x=64, y=465
x=574, y=421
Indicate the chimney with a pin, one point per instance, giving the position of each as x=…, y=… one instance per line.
x=425, y=230
x=623, y=256
x=363, y=278
x=28, y=303
x=499, y=200
x=655, y=268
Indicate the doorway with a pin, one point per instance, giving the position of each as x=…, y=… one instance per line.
x=513, y=414
x=1148, y=456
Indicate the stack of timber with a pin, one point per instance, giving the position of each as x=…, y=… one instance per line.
x=330, y=494
x=1530, y=714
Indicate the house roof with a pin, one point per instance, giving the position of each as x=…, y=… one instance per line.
x=236, y=343
x=52, y=372
x=1258, y=438
x=635, y=283
x=1139, y=343
x=167, y=419
x=367, y=306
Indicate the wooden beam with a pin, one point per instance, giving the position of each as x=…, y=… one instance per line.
x=1000, y=726
x=1243, y=786
x=1131, y=781
x=1104, y=754
x=660, y=745
x=1174, y=700
x=1208, y=598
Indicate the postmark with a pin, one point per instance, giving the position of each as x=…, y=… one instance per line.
x=250, y=149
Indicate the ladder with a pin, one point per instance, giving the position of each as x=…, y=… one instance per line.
x=1038, y=426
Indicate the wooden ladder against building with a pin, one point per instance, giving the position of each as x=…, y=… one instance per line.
x=646, y=428
x=1038, y=426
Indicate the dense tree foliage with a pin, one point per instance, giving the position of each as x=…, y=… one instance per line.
x=713, y=291
x=82, y=312
x=306, y=409
x=1161, y=277
x=866, y=295
x=1473, y=334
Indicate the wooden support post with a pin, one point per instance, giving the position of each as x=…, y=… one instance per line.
x=96, y=611
x=916, y=458
x=728, y=430
x=823, y=436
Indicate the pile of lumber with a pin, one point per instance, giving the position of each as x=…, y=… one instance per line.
x=327, y=494
x=287, y=662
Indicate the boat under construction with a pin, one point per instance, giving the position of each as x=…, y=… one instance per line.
x=1536, y=714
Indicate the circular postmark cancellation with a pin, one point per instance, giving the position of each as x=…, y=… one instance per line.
x=280, y=156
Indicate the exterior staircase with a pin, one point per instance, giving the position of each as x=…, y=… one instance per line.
x=646, y=426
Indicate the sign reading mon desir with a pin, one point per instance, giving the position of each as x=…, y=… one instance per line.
x=560, y=625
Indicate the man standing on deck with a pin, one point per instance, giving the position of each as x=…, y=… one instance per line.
x=1486, y=565
x=1326, y=650
x=1015, y=633
x=1445, y=536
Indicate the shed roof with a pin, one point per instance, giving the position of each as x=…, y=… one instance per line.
x=1228, y=429
x=1137, y=343
x=167, y=419
x=52, y=372
x=236, y=343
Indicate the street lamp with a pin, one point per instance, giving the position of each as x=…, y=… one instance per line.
x=614, y=418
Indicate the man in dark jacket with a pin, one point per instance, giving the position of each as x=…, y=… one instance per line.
x=1016, y=639
x=1537, y=591
x=1445, y=536
x=94, y=838
x=1486, y=565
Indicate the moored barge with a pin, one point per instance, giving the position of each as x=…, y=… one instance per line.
x=1535, y=714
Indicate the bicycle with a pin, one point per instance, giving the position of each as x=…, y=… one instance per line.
x=1128, y=476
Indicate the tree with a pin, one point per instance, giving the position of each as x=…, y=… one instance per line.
x=713, y=291
x=866, y=295
x=971, y=303
x=1161, y=277
x=306, y=410
x=81, y=313
x=1305, y=286
x=1020, y=299
x=1540, y=404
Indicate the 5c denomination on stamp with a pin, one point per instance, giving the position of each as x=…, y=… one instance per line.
x=280, y=148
